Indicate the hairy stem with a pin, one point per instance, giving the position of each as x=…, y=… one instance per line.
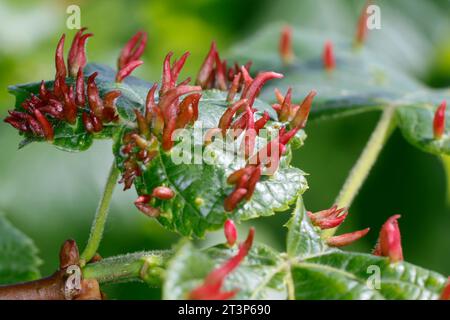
x=144, y=266
x=365, y=162
x=101, y=214
x=446, y=163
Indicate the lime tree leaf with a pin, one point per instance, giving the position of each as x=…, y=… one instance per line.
x=416, y=124
x=309, y=270
x=74, y=137
x=359, y=83
x=346, y=275
x=199, y=180
x=363, y=80
x=18, y=255
x=302, y=239
x=260, y=276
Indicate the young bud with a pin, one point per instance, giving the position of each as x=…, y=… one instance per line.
x=68, y=255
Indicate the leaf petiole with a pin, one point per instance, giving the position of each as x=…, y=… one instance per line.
x=101, y=215
x=365, y=162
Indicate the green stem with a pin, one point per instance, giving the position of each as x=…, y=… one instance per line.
x=145, y=266
x=98, y=225
x=446, y=163
x=365, y=162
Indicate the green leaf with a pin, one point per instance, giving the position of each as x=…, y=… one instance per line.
x=74, y=137
x=201, y=187
x=345, y=275
x=259, y=277
x=363, y=80
x=359, y=83
x=18, y=255
x=416, y=124
x=309, y=270
x=302, y=239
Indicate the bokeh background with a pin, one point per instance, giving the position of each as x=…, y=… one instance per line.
x=52, y=195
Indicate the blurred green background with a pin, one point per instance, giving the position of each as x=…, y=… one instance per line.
x=52, y=195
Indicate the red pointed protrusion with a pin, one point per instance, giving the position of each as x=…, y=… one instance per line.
x=255, y=86
x=220, y=81
x=347, y=238
x=127, y=69
x=329, y=62
x=80, y=98
x=70, y=108
x=327, y=219
x=59, y=59
x=163, y=193
x=389, y=242
x=77, y=53
x=245, y=180
x=234, y=88
x=141, y=123
x=133, y=49
x=230, y=231
x=301, y=116
x=227, y=117
x=439, y=120
x=142, y=203
x=248, y=143
x=95, y=103
x=361, y=28
x=234, y=198
x=261, y=122
x=285, y=47
x=45, y=125
x=445, y=295
x=211, y=289
x=207, y=67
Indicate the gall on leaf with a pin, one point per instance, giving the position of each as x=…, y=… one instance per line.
x=230, y=232
x=133, y=49
x=329, y=61
x=361, y=27
x=445, y=295
x=76, y=58
x=211, y=289
x=285, y=46
x=389, y=241
x=346, y=238
x=439, y=120
x=330, y=218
